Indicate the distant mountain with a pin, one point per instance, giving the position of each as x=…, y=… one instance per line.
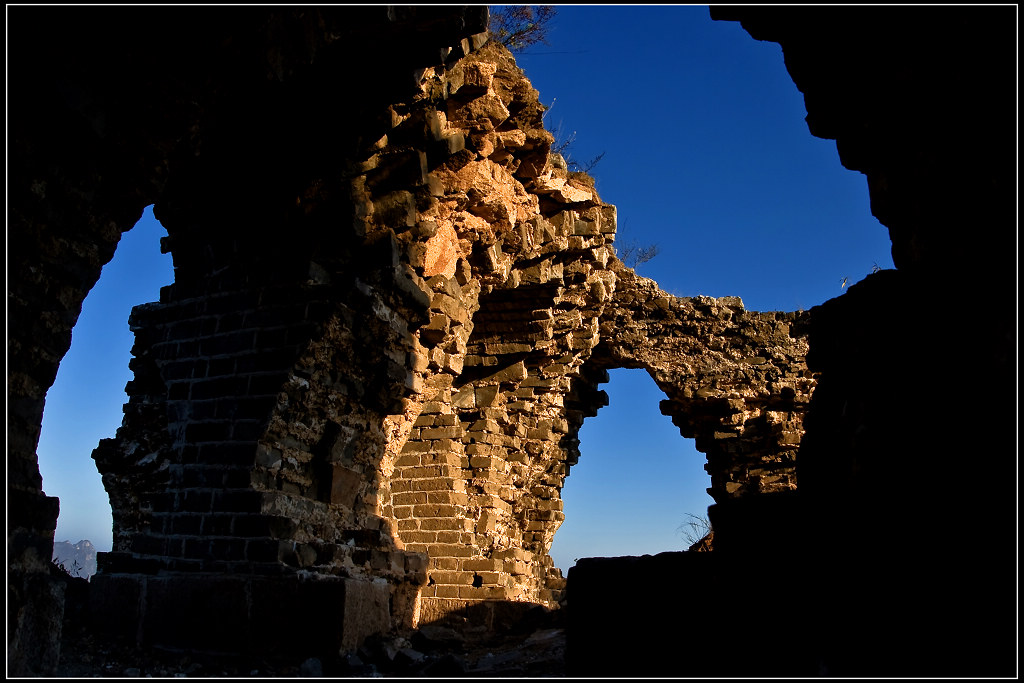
x=78, y=559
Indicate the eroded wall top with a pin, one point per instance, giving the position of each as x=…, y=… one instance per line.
x=392, y=311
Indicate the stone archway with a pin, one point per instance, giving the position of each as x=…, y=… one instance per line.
x=285, y=380
x=736, y=381
x=317, y=409
x=640, y=487
x=87, y=154
x=362, y=312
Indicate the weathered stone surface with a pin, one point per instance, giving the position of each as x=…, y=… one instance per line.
x=744, y=409
x=442, y=253
x=356, y=407
x=226, y=343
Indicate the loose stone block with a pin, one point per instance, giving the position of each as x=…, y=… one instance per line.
x=464, y=398
x=481, y=565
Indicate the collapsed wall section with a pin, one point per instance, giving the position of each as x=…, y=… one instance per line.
x=532, y=310
x=517, y=260
x=277, y=374
x=333, y=407
x=402, y=401
x=356, y=407
x=735, y=380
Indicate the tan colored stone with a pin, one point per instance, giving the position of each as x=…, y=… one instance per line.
x=443, y=252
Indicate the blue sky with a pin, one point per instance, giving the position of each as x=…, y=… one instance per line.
x=85, y=402
x=706, y=154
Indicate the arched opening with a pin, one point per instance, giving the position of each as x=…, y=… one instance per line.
x=736, y=196
x=637, y=481
x=84, y=404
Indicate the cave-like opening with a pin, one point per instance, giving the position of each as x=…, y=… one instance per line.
x=637, y=480
x=84, y=404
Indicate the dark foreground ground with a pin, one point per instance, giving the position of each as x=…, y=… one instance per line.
x=535, y=648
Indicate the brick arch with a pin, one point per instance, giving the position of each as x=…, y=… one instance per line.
x=282, y=378
x=477, y=486
x=87, y=156
x=382, y=241
x=317, y=407
x=736, y=381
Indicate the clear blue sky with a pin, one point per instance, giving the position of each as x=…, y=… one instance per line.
x=85, y=402
x=706, y=154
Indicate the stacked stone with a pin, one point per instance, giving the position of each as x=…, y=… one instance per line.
x=513, y=249
x=266, y=461
x=349, y=403
x=494, y=456
x=355, y=402
x=275, y=382
x=346, y=421
x=736, y=380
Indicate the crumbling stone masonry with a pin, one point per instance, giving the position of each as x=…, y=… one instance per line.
x=497, y=275
x=393, y=307
x=239, y=126
x=356, y=406
x=736, y=380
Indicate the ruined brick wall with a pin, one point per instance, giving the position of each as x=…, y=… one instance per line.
x=346, y=404
x=393, y=308
x=513, y=248
x=219, y=122
x=416, y=373
x=736, y=380
x=516, y=251
x=362, y=394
